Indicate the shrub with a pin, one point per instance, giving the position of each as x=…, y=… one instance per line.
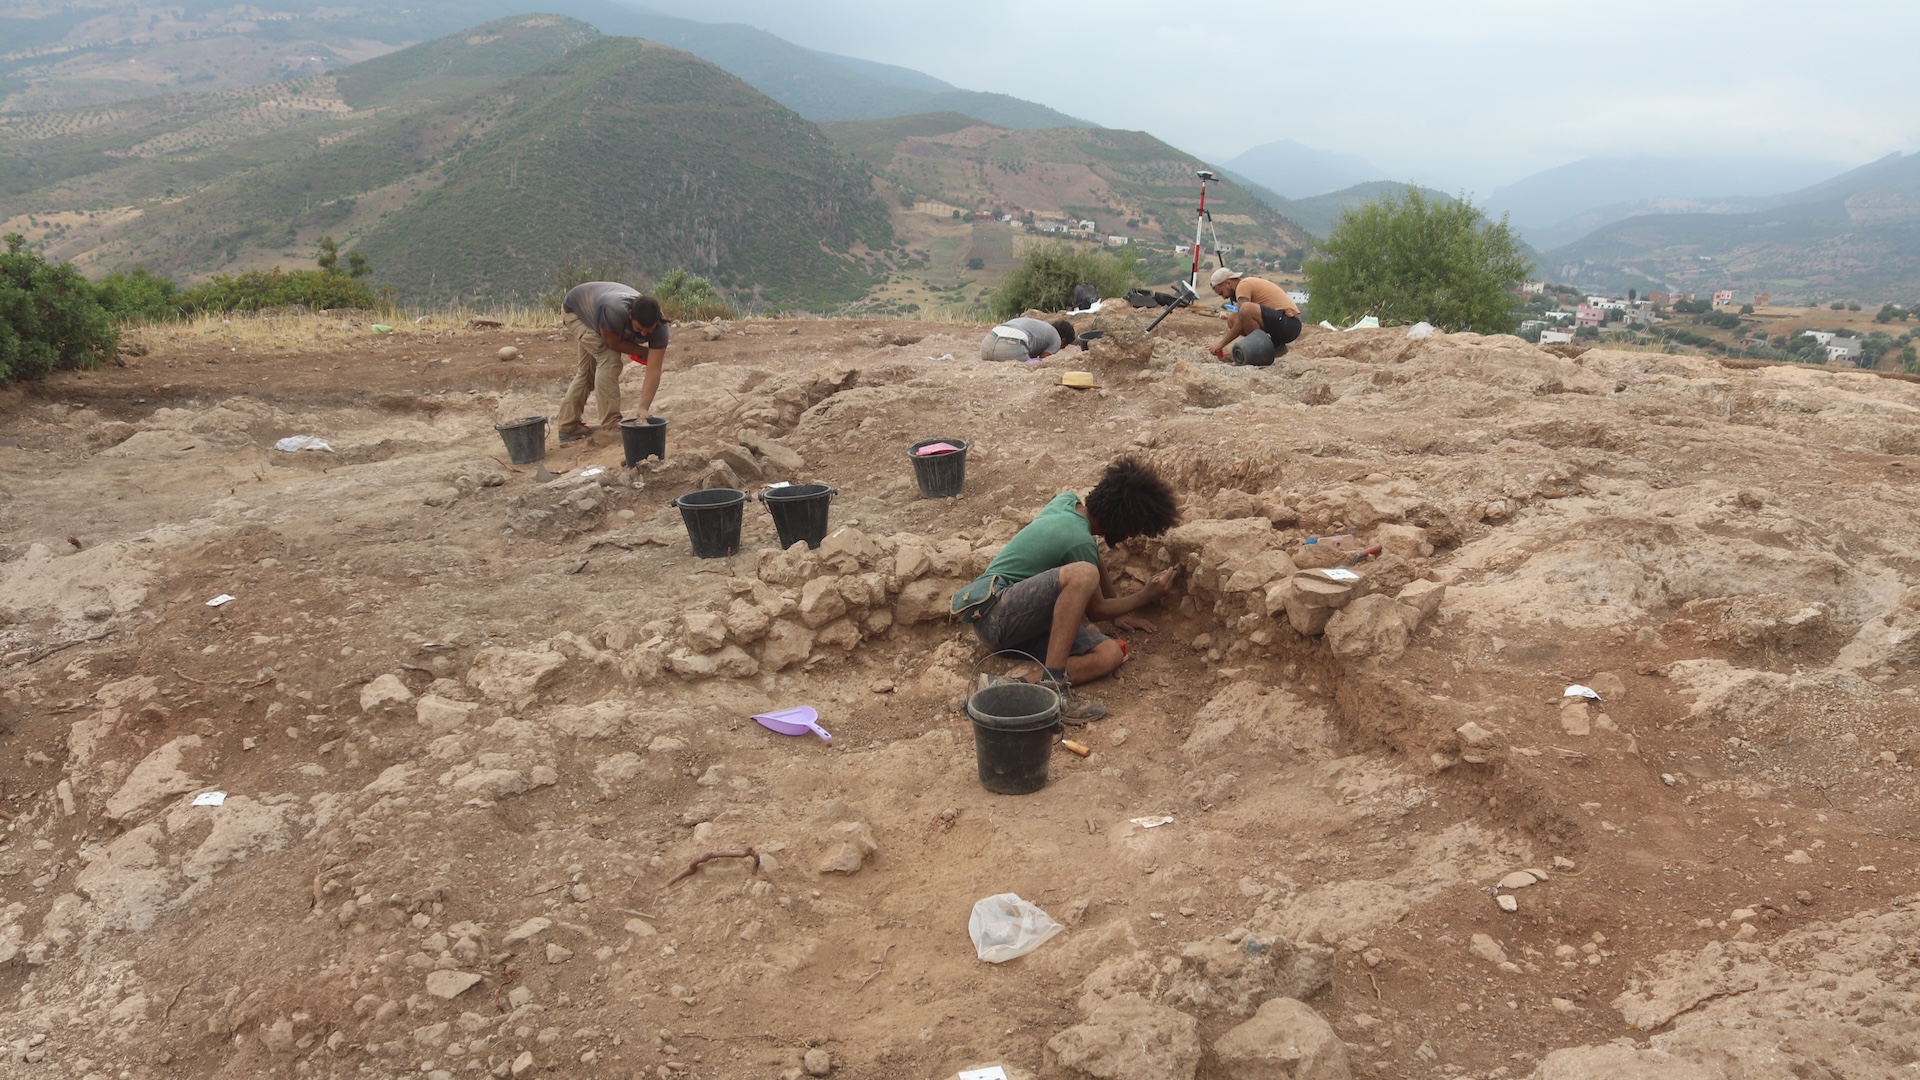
x=49, y=316
x=138, y=293
x=1410, y=259
x=257, y=289
x=685, y=296
x=1047, y=273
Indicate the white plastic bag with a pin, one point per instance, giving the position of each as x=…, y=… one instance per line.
x=293, y=444
x=1004, y=927
x=1422, y=329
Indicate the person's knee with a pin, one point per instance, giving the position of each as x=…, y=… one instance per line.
x=1107, y=655
x=1080, y=575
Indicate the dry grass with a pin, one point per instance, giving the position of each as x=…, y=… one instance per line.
x=302, y=329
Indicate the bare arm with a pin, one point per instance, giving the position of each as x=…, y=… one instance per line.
x=655, y=359
x=1113, y=607
x=623, y=345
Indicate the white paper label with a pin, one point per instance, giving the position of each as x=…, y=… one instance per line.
x=210, y=798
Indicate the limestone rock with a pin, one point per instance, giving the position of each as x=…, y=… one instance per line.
x=1423, y=597
x=910, y=563
x=383, y=691
x=787, y=643
x=442, y=715
x=1487, y=949
x=817, y=1062
x=821, y=602
x=512, y=675
x=790, y=567
x=1473, y=734
x=1376, y=626
x=1285, y=1040
x=447, y=985
x=705, y=631
x=740, y=460
x=1406, y=541
x=747, y=622
x=849, y=845
x=158, y=777
x=1128, y=1038
x=782, y=462
x=1609, y=686
x=1312, y=597
x=526, y=931
x=1575, y=717
x=839, y=634
x=847, y=550
x=508, y=352
x=925, y=600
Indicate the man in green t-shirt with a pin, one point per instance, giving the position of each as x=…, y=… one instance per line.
x=1052, y=583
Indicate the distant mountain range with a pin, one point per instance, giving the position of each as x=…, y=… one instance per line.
x=1856, y=236
x=68, y=55
x=1562, y=204
x=470, y=169
x=1293, y=171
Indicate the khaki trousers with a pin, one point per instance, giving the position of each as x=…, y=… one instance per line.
x=598, y=372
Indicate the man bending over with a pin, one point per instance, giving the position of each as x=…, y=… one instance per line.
x=1050, y=583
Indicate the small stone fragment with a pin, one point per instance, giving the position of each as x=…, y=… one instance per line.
x=1507, y=903
x=557, y=953
x=817, y=1062
x=447, y=985
x=508, y=352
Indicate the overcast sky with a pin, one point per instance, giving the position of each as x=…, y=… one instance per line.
x=1455, y=94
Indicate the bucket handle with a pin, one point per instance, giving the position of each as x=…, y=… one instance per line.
x=830, y=493
x=1059, y=727
x=975, y=673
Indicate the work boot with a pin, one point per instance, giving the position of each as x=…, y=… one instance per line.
x=1075, y=709
x=576, y=431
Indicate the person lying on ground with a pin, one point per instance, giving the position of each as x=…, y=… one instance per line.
x=1026, y=339
x=1261, y=305
x=610, y=320
x=1047, y=582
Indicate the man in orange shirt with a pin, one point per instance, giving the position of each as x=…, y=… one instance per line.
x=1262, y=305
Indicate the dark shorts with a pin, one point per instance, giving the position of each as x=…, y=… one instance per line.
x=1022, y=620
x=1281, y=327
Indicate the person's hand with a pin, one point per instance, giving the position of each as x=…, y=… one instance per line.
x=1219, y=354
x=1161, y=583
x=1134, y=623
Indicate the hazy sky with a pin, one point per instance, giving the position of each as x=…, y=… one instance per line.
x=1456, y=94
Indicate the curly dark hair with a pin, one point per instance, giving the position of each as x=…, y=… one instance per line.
x=645, y=310
x=1132, y=499
x=1065, y=330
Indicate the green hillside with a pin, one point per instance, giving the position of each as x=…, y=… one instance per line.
x=1854, y=237
x=1127, y=182
x=173, y=144
x=641, y=154
x=819, y=86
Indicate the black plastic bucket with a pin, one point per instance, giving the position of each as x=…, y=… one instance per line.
x=644, y=439
x=1254, y=350
x=713, y=520
x=1013, y=728
x=800, y=512
x=941, y=476
x=526, y=439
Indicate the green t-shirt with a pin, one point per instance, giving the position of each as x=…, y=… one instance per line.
x=1058, y=536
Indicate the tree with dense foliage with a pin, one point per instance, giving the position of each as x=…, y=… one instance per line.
x=1045, y=276
x=1413, y=259
x=138, y=293
x=50, y=317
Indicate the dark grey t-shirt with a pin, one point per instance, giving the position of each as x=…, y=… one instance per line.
x=603, y=305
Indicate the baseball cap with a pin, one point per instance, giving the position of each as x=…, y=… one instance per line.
x=1224, y=275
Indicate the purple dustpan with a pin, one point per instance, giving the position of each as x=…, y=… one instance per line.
x=795, y=721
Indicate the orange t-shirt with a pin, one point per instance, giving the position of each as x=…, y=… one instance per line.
x=1266, y=294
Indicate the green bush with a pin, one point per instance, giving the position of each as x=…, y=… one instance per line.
x=50, y=317
x=1412, y=258
x=257, y=289
x=138, y=293
x=685, y=296
x=1047, y=273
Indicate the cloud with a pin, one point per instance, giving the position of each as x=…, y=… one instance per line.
x=1469, y=94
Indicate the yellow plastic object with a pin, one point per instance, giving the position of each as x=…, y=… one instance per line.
x=1079, y=380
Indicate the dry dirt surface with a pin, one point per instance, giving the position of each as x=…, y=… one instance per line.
x=475, y=722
